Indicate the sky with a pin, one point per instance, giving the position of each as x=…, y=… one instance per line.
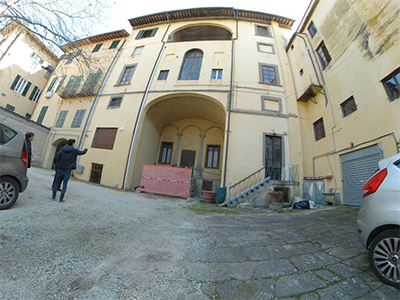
x=123, y=10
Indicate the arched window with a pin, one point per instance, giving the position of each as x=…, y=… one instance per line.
x=191, y=65
x=201, y=33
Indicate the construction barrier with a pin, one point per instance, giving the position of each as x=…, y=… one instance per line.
x=166, y=180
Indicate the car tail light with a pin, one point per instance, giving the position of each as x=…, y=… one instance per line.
x=373, y=184
x=24, y=158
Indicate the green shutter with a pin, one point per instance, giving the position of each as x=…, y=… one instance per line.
x=139, y=35
x=76, y=84
x=69, y=85
x=42, y=114
x=97, y=48
x=60, y=83
x=153, y=32
x=87, y=83
x=28, y=85
x=33, y=93
x=15, y=82
x=51, y=84
x=61, y=118
x=76, y=122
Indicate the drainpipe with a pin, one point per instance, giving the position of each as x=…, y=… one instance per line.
x=96, y=99
x=230, y=97
x=142, y=105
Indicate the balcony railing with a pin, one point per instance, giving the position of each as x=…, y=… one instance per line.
x=82, y=90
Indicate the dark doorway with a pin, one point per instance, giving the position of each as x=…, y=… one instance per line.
x=95, y=175
x=273, y=156
x=187, y=158
x=59, y=147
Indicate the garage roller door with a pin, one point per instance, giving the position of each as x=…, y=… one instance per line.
x=357, y=167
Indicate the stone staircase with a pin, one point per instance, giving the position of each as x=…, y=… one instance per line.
x=248, y=193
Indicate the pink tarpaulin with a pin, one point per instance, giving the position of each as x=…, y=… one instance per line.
x=166, y=180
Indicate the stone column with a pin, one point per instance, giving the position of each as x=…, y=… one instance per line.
x=178, y=146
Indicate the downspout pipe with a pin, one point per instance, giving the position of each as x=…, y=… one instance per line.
x=96, y=99
x=142, y=106
x=230, y=96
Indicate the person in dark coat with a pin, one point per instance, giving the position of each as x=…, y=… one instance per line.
x=66, y=161
x=29, y=137
x=55, y=175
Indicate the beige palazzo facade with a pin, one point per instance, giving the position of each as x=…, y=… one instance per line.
x=205, y=88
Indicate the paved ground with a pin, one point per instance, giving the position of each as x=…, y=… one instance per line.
x=107, y=244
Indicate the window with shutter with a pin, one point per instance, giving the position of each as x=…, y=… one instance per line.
x=104, y=138
x=114, y=44
x=97, y=47
x=146, y=33
x=70, y=83
x=76, y=84
x=212, y=159
x=77, y=121
x=20, y=85
x=61, y=118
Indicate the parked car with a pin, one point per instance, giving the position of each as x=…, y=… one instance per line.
x=13, y=165
x=379, y=220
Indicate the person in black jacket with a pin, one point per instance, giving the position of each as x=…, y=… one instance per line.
x=66, y=161
x=29, y=137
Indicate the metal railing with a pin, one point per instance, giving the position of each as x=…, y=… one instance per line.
x=287, y=173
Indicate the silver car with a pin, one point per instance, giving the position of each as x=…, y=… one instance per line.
x=13, y=165
x=378, y=221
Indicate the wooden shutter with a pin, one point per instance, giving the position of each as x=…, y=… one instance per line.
x=76, y=122
x=87, y=83
x=69, y=85
x=104, y=138
x=61, y=118
x=76, y=84
x=42, y=114
x=60, y=83
x=51, y=84
x=15, y=82
x=28, y=85
x=153, y=32
x=139, y=35
x=33, y=93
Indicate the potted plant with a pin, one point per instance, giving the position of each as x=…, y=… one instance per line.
x=209, y=196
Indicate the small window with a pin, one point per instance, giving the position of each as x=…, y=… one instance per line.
x=114, y=44
x=163, y=75
x=269, y=75
x=104, y=138
x=115, y=102
x=165, y=153
x=77, y=121
x=263, y=31
x=212, y=159
x=349, y=106
x=20, y=85
x=319, y=129
x=216, y=74
x=97, y=47
x=126, y=75
x=312, y=29
x=61, y=118
x=323, y=55
x=146, y=33
x=42, y=114
x=10, y=107
x=137, y=51
x=292, y=47
x=28, y=116
x=301, y=72
x=392, y=85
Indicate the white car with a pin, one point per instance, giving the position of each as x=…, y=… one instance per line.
x=378, y=221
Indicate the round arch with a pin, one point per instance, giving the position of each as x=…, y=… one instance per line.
x=201, y=32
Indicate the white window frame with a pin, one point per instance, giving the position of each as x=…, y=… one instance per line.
x=20, y=86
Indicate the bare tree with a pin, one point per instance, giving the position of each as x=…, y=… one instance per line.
x=55, y=22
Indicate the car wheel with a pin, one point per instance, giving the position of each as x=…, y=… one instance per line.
x=9, y=191
x=384, y=256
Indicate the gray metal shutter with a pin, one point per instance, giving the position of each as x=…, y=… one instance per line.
x=357, y=168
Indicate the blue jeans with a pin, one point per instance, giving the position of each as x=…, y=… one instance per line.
x=63, y=175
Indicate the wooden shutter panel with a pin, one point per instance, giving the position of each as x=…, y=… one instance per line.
x=69, y=85
x=61, y=118
x=15, y=82
x=78, y=118
x=105, y=138
x=33, y=93
x=51, y=84
x=76, y=84
x=28, y=85
x=60, y=83
x=87, y=83
x=153, y=32
x=139, y=35
x=42, y=114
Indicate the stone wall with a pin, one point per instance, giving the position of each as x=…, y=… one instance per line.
x=23, y=124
